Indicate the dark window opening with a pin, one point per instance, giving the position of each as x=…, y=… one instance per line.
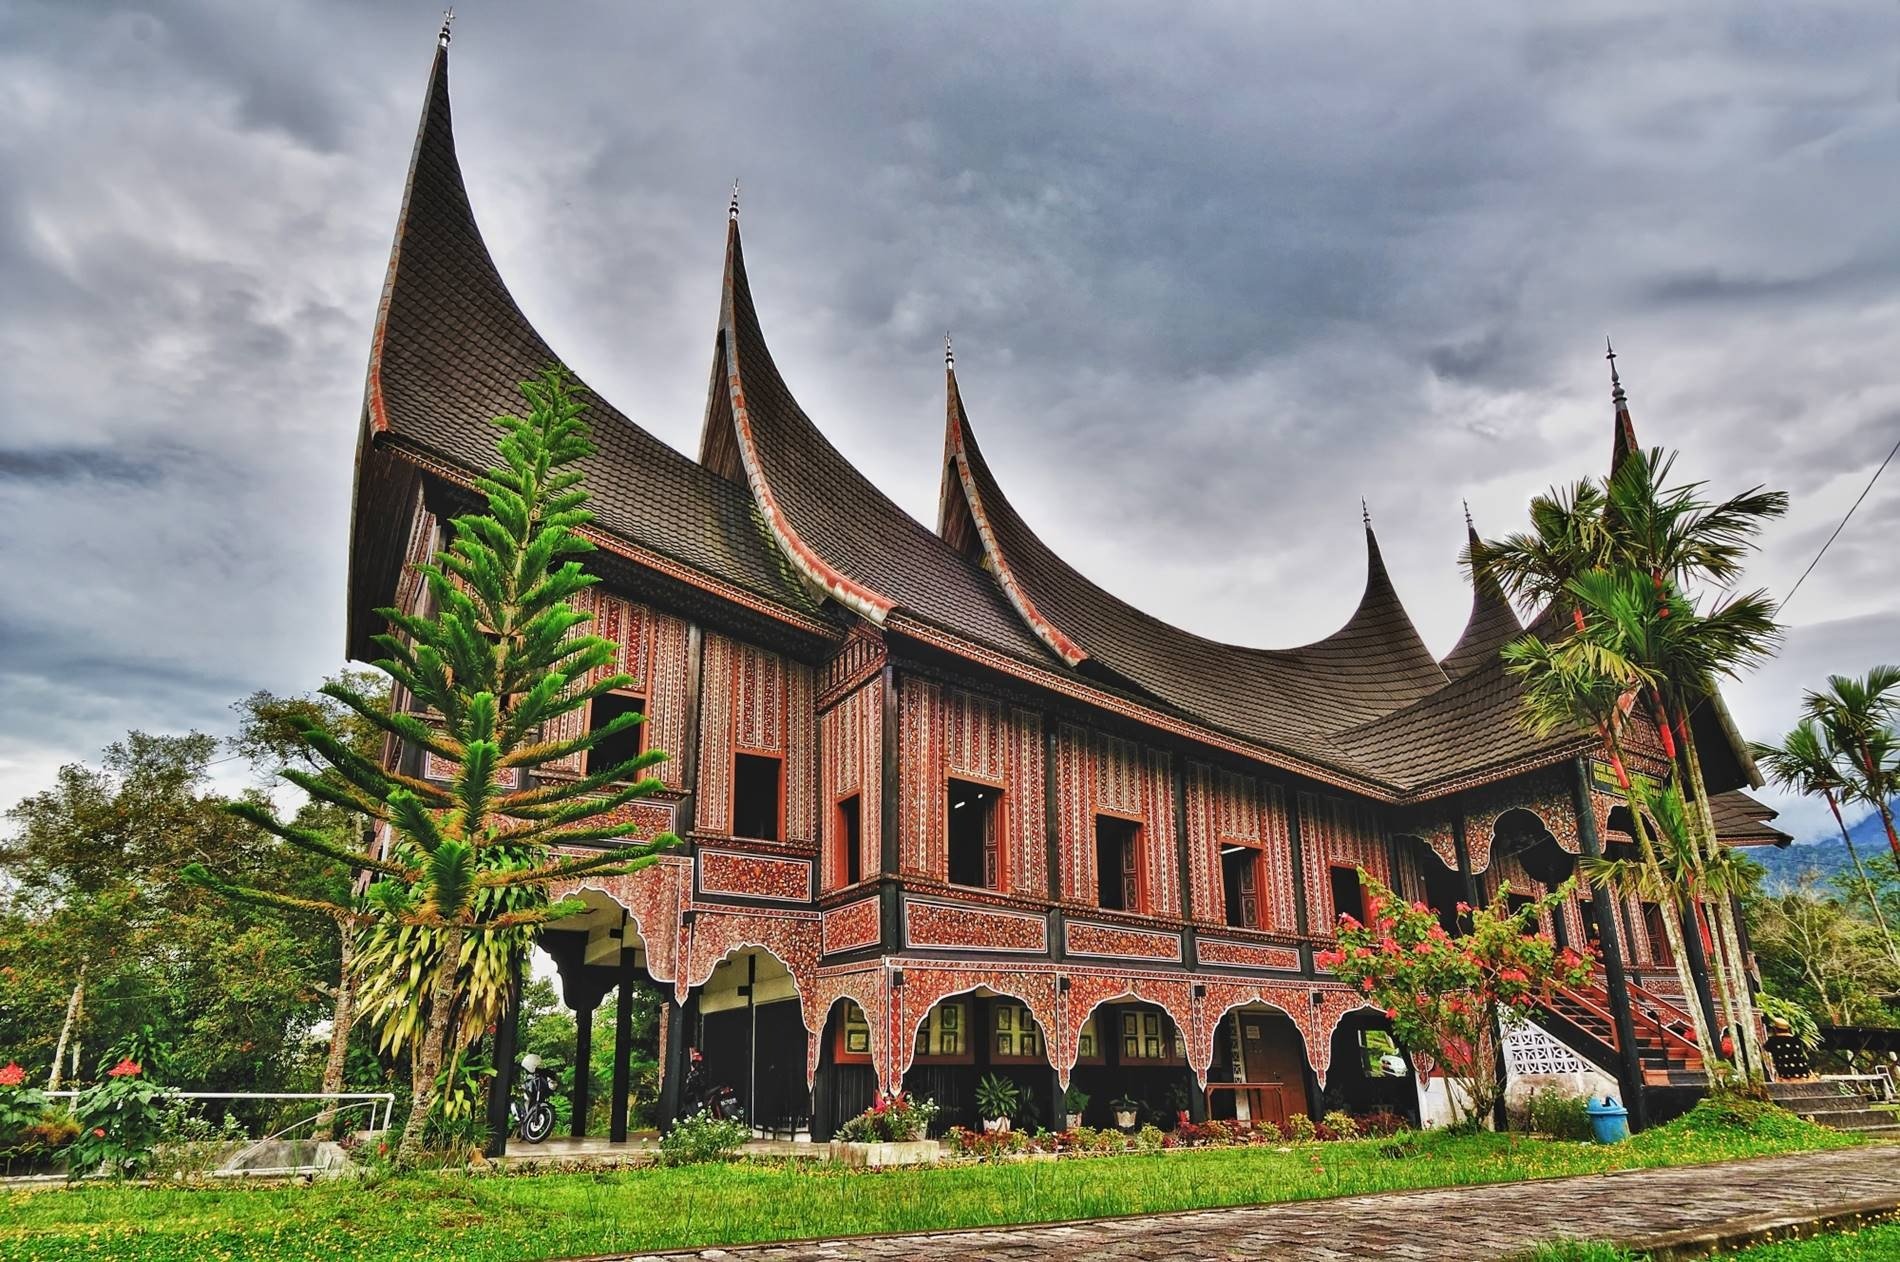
x=1348, y=898
x=1592, y=932
x=623, y=745
x=1658, y=936
x=1514, y=903
x=973, y=841
x=1117, y=883
x=1240, y=883
x=755, y=796
x=851, y=837
x=1444, y=890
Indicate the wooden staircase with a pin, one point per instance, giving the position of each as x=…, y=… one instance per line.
x=1665, y=1039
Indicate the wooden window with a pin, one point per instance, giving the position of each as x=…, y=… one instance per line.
x=974, y=842
x=1658, y=936
x=1348, y=896
x=1088, y=1046
x=622, y=745
x=758, y=796
x=1014, y=1035
x=1240, y=885
x=1117, y=864
x=1587, y=910
x=851, y=840
x=945, y=1037
x=854, y=1037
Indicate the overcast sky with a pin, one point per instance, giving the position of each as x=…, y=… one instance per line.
x=1215, y=273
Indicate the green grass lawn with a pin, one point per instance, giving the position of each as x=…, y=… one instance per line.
x=1865, y=1244
x=452, y=1216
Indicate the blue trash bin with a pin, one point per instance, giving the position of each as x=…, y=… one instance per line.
x=1609, y=1121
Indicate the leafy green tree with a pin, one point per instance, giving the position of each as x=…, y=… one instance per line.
x=99, y=927
x=1858, y=715
x=1447, y=997
x=1807, y=762
x=1814, y=950
x=462, y=871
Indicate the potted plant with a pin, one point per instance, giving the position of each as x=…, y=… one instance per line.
x=1127, y=1110
x=889, y=1133
x=1073, y=1104
x=996, y=1098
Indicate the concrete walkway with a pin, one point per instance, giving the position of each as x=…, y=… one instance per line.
x=1633, y=1207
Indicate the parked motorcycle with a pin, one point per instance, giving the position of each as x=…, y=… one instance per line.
x=532, y=1109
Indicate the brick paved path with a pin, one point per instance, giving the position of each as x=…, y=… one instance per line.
x=1451, y=1224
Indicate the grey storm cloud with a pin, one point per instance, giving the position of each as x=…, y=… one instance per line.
x=1215, y=273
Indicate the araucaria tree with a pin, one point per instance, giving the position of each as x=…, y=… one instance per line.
x=1447, y=997
x=462, y=871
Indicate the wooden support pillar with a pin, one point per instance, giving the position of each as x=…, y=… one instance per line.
x=1699, y=974
x=1473, y=895
x=1602, y=906
x=501, y=1086
x=583, y=1097
x=680, y=1020
x=623, y=1047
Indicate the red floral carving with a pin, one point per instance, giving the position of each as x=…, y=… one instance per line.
x=1246, y=955
x=928, y=923
x=755, y=876
x=851, y=926
x=1085, y=938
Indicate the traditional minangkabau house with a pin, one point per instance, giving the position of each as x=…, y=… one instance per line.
x=949, y=808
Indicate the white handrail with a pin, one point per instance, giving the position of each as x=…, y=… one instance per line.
x=386, y=1098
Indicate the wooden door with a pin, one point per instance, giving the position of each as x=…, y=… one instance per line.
x=1271, y=1059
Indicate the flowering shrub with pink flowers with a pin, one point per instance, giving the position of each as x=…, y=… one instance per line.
x=892, y=1119
x=119, y=1123
x=1445, y=995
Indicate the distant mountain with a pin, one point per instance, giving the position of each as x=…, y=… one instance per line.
x=1827, y=855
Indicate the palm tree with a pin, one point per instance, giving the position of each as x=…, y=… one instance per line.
x=1638, y=545
x=1858, y=716
x=1683, y=651
x=1807, y=764
x=1574, y=684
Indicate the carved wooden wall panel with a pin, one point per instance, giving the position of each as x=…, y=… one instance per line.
x=947, y=732
x=851, y=737
x=1226, y=808
x=755, y=701
x=1337, y=831
x=1096, y=774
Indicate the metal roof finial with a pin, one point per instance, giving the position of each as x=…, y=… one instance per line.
x=732, y=211
x=949, y=354
x=1616, y=382
x=1365, y=514
x=1468, y=526
x=448, y=20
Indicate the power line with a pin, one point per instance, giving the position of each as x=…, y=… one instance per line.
x=1837, y=530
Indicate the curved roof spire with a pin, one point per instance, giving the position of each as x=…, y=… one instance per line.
x=835, y=528
x=1372, y=665
x=1492, y=623
x=448, y=350
x=1625, y=440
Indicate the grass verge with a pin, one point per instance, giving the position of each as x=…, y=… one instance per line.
x=486, y=1218
x=1863, y=1244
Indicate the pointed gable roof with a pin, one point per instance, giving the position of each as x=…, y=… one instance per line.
x=1374, y=664
x=837, y=529
x=449, y=348
x=1492, y=624
x=1624, y=440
